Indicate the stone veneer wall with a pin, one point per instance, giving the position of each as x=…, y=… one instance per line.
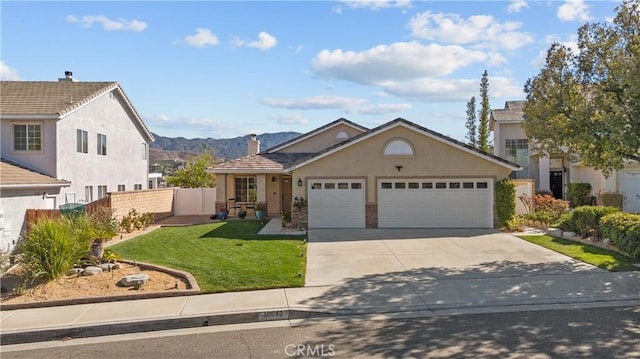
x=158, y=201
x=371, y=213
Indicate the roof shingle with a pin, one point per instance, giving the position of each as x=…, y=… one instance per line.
x=13, y=175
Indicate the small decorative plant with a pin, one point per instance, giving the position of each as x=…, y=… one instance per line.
x=286, y=218
x=299, y=203
x=242, y=214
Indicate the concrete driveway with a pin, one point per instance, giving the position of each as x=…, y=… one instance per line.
x=340, y=256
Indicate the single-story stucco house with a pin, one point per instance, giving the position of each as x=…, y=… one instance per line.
x=398, y=175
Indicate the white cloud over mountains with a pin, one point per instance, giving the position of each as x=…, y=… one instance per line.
x=352, y=105
x=479, y=31
x=108, y=24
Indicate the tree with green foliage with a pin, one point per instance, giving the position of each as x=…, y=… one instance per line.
x=589, y=103
x=194, y=174
x=471, y=124
x=483, y=114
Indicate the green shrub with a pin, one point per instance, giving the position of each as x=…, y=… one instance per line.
x=53, y=246
x=624, y=231
x=505, y=201
x=586, y=219
x=579, y=194
x=565, y=223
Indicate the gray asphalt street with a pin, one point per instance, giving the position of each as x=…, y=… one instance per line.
x=577, y=333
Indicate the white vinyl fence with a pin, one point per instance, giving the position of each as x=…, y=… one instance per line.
x=194, y=201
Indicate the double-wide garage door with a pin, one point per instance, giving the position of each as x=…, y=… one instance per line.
x=336, y=203
x=435, y=203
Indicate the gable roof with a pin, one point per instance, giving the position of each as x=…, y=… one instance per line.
x=286, y=162
x=56, y=100
x=12, y=175
x=513, y=112
x=415, y=127
x=340, y=121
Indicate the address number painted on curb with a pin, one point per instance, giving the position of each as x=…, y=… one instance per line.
x=273, y=315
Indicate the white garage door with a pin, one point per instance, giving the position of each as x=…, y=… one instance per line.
x=435, y=203
x=630, y=188
x=336, y=203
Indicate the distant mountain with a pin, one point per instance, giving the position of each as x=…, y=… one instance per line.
x=165, y=148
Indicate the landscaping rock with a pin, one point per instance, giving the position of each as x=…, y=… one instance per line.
x=134, y=280
x=75, y=271
x=107, y=267
x=568, y=235
x=556, y=232
x=606, y=241
x=91, y=270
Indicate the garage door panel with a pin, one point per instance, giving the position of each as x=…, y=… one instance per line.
x=336, y=204
x=449, y=206
x=630, y=188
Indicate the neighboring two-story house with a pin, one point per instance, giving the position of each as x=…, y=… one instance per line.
x=66, y=141
x=553, y=173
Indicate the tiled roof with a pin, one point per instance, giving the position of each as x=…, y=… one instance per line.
x=313, y=132
x=264, y=162
x=47, y=97
x=513, y=111
x=14, y=175
x=423, y=129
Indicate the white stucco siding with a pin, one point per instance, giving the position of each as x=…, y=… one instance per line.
x=13, y=206
x=43, y=161
x=125, y=162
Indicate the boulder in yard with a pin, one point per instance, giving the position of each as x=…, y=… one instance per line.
x=134, y=280
x=107, y=267
x=75, y=271
x=91, y=270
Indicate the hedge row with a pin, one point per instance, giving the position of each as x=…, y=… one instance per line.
x=585, y=220
x=624, y=231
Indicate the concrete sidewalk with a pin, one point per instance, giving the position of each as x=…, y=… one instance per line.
x=431, y=296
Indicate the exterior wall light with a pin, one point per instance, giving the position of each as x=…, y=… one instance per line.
x=299, y=182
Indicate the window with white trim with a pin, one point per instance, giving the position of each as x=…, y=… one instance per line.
x=517, y=150
x=137, y=187
x=398, y=147
x=102, y=144
x=27, y=137
x=121, y=188
x=246, y=189
x=82, y=141
x=88, y=193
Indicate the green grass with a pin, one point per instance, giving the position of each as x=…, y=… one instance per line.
x=223, y=256
x=599, y=257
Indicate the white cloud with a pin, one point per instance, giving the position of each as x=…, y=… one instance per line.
x=203, y=37
x=108, y=24
x=573, y=10
x=8, y=73
x=184, y=126
x=375, y=4
x=516, y=6
x=401, y=60
x=314, y=103
x=289, y=119
x=347, y=104
x=481, y=31
x=571, y=43
x=265, y=41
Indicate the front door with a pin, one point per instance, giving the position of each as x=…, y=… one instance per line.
x=556, y=184
x=285, y=190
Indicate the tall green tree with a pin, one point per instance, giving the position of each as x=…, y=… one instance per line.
x=589, y=103
x=193, y=174
x=471, y=123
x=483, y=114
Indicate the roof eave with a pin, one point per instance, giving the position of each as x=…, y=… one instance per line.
x=34, y=185
x=240, y=170
x=29, y=117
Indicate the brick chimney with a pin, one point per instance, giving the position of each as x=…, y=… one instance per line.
x=253, y=146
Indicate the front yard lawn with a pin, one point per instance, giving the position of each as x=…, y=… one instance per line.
x=223, y=256
x=599, y=257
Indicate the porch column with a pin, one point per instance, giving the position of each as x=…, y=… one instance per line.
x=543, y=175
x=261, y=187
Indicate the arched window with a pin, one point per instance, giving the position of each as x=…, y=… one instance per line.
x=342, y=136
x=398, y=147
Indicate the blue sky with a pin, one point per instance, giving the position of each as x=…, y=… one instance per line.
x=225, y=69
